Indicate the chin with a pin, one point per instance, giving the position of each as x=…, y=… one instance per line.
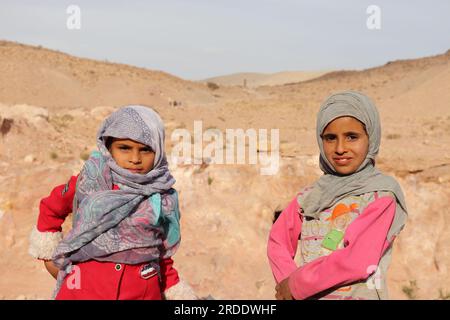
x=346, y=171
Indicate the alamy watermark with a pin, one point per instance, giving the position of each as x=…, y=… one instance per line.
x=374, y=19
x=211, y=146
x=73, y=21
x=74, y=278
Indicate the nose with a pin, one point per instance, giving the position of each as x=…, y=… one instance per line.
x=340, y=146
x=135, y=157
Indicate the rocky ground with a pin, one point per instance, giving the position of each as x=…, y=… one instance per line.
x=51, y=105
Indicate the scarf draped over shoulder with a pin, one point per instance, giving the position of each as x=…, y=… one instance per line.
x=135, y=224
x=332, y=187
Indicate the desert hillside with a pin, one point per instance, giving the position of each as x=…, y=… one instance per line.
x=255, y=79
x=39, y=76
x=51, y=105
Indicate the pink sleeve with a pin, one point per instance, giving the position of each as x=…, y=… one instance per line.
x=282, y=243
x=365, y=241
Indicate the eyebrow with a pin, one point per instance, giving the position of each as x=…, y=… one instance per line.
x=124, y=144
x=348, y=133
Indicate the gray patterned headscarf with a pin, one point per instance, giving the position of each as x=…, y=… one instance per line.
x=135, y=224
x=143, y=125
x=332, y=187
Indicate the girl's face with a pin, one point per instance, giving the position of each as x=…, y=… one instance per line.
x=345, y=143
x=132, y=155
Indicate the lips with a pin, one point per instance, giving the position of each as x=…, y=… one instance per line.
x=135, y=170
x=342, y=160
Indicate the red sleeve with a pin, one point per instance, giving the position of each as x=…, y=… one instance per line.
x=283, y=240
x=54, y=209
x=365, y=242
x=169, y=275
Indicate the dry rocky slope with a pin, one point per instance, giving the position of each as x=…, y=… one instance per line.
x=51, y=105
x=255, y=79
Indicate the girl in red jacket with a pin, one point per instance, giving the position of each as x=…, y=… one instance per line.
x=126, y=218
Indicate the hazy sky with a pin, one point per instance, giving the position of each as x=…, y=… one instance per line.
x=196, y=39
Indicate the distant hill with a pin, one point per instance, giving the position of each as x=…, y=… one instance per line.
x=254, y=79
x=414, y=85
x=43, y=77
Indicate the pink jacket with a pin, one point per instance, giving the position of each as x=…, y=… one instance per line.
x=365, y=241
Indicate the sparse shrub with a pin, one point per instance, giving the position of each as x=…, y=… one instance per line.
x=202, y=168
x=61, y=122
x=393, y=136
x=410, y=290
x=53, y=155
x=443, y=296
x=67, y=118
x=5, y=126
x=212, y=85
x=84, y=155
x=210, y=180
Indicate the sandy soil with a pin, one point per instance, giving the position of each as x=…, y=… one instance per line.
x=51, y=104
x=255, y=79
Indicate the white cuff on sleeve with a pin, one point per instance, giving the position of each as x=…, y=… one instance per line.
x=43, y=244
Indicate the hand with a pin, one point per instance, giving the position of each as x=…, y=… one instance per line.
x=180, y=291
x=51, y=268
x=283, y=291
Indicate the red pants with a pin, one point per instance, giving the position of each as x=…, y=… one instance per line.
x=93, y=280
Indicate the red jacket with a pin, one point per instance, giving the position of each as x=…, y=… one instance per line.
x=100, y=280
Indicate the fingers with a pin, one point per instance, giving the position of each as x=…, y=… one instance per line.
x=278, y=293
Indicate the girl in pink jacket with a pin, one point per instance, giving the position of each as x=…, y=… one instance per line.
x=126, y=222
x=346, y=222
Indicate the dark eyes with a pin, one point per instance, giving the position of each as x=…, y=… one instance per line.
x=350, y=137
x=126, y=148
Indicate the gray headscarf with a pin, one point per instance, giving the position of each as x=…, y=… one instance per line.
x=137, y=223
x=332, y=187
x=143, y=125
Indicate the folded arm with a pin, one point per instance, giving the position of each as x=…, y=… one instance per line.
x=283, y=240
x=365, y=242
